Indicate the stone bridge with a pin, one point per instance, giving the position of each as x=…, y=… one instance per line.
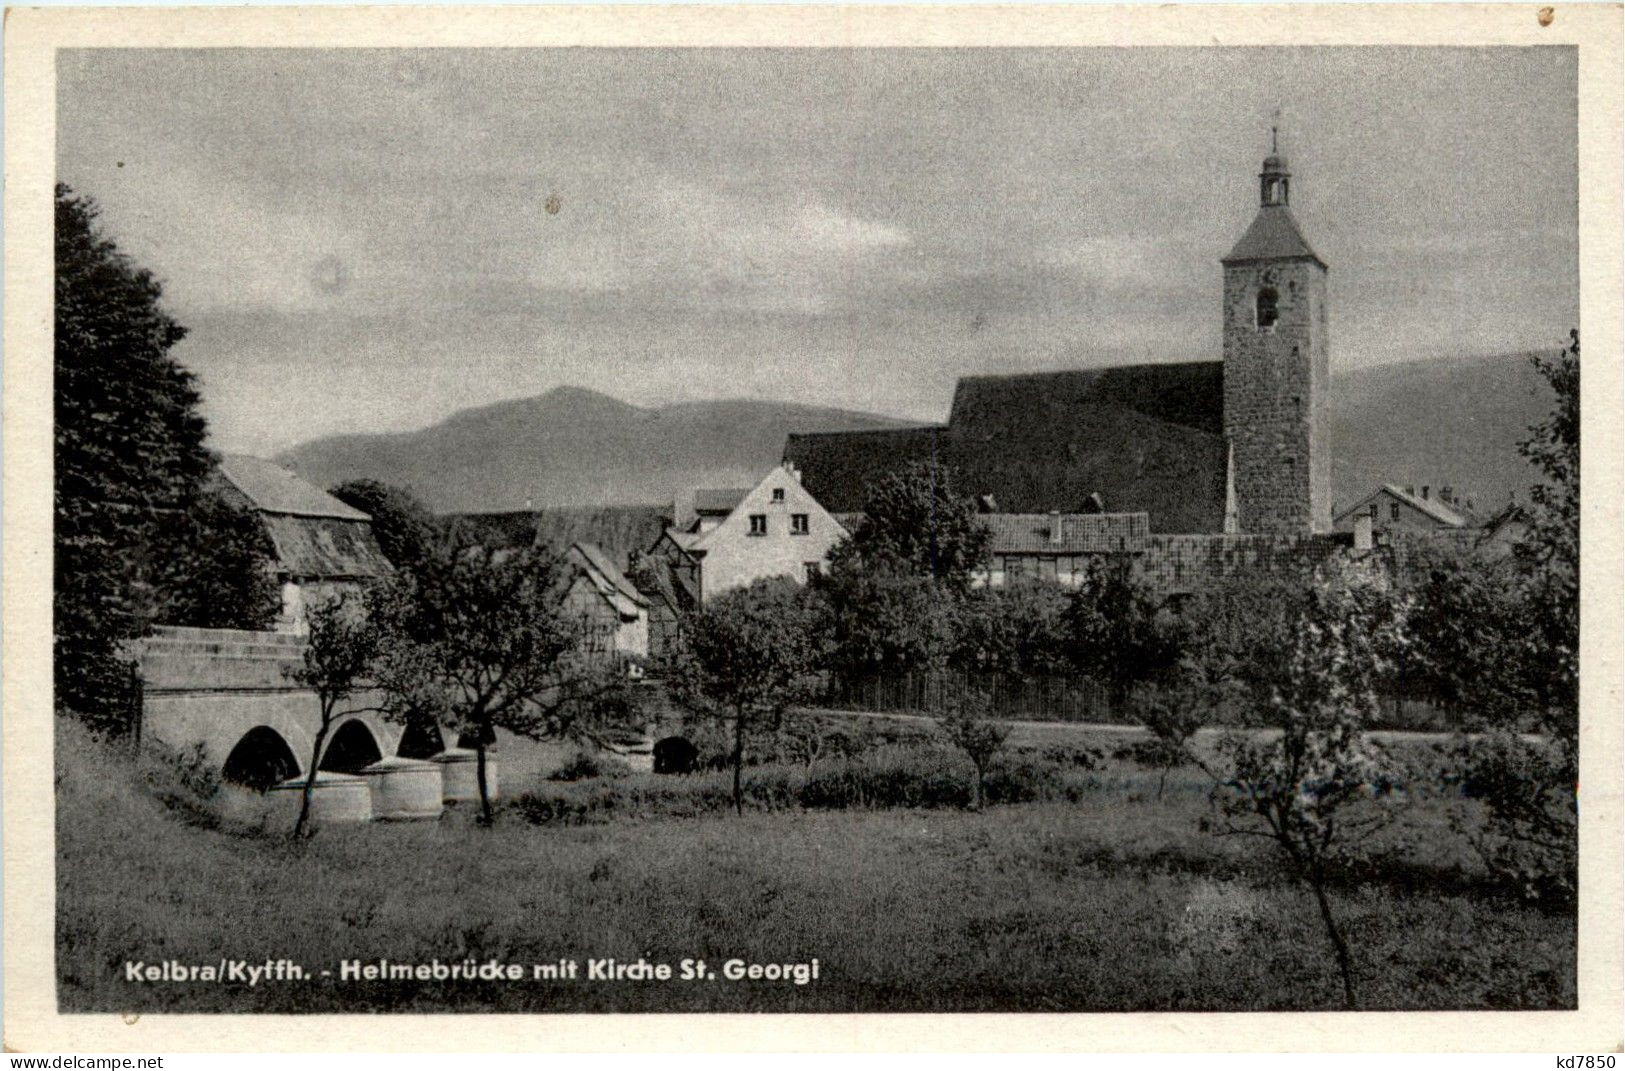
x=231, y=692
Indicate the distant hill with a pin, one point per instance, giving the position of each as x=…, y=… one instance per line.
x=1444, y=422
x=1452, y=422
x=574, y=447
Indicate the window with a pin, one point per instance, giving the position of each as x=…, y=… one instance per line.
x=1046, y=569
x=778, y=494
x=758, y=524
x=1267, y=311
x=798, y=524
x=812, y=570
x=1393, y=511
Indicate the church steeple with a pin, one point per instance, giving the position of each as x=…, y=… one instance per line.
x=1275, y=181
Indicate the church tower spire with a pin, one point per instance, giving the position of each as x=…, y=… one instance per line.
x=1275, y=368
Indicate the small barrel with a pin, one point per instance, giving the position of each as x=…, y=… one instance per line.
x=404, y=788
x=460, y=774
x=335, y=798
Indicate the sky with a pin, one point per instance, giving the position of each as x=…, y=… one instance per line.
x=369, y=240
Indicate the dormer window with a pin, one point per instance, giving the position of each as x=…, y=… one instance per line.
x=1266, y=313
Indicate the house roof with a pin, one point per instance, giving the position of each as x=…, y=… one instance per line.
x=1432, y=507
x=328, y=548
x=1274, y=235
x=718, y=500
x=606, y=574
x=270, y=488
x=1081, y=533
x=1445, y=514
x=1147, y=438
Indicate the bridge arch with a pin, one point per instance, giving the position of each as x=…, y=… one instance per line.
x=352, y=746
x=260, y=759
x=420, y=739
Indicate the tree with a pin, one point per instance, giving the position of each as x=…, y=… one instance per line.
x=881, y=618
x=1300, y=788
x=915, y=522
x=405, y=529
x=1528, y=784
x=1016, y=630
x=1117, y=630
x=969, y=728
x=748, y=656
x=341, y=651
x=216, y=572
x=129, y=459
x=1172, y=715
x=480, y=640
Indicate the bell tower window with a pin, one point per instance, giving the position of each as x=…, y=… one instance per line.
x=1266, y=312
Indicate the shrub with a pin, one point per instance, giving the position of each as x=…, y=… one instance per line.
x=1528, y=838
x=583, y=765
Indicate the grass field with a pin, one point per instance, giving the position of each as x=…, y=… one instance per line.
x=1114, y=901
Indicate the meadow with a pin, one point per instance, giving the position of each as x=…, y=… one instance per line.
x=1092, y=895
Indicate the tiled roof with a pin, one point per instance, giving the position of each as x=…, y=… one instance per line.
x=1274, y=234
x=324, y=547
x=1081, y=533
x=271, y=488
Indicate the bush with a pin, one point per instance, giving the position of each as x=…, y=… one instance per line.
x=583, y=765
x=1077, y=758
x=1528, y=836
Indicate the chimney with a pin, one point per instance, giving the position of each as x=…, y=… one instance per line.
x=1055, y=527
x=1362, y=531
x=1447, y=495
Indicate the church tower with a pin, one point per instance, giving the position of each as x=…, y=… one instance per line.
x=1275, y=349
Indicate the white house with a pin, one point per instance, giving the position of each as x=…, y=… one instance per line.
x=720, y=540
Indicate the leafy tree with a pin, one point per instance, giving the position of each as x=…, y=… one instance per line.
x=915, y=522
x=1300, y=788
x=129, y=468
x=1528, y=784
x=1172, y=715
x=881, y=618
x=405, y=529
x=1016, y=630
x=341, y=651
x=749, y=655
x=1118, y=632
x=217, y=572
x=970, y=728
x=480, y=640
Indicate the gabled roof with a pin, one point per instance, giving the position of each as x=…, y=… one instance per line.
x=1274, y=235
x=605, y=574
x=1431, y=507
x=839, y=466
x=270, y=488
x=504, y=530
x=1081, y=533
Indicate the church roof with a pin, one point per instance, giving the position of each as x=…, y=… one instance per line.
x=1274, y=235
x=1146, y=438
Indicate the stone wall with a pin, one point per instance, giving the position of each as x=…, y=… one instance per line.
x=1275, y=397
x=1190, y=564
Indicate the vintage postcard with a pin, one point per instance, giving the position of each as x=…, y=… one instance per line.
x=839, y=520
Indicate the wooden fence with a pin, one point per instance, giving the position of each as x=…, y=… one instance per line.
x=1038, y=698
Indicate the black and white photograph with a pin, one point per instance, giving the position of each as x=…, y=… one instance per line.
x=817, y=530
